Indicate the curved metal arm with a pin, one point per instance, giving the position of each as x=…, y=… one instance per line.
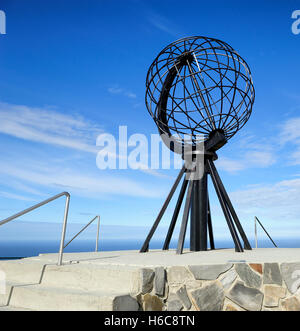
x=98, y=228
x=67, y=195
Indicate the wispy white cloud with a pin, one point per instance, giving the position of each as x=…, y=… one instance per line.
x=230, y=165
x=295, y=96
x=275, y=204
x=278, y=201
x=48, y=127
x=251, y=159
x=122, y=91
x=21, y=187
x=54, y=128
x=290, y=131
x=260, y=159
x=290, y=134
x=253, y=153
x=78, y=182
x=15, y=196
x=163, y=24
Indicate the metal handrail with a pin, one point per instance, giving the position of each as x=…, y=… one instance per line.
x=98, y=229
x=63, y=235
x=256, y=220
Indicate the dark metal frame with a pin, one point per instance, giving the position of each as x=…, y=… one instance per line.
x=201, y=88
x=198, y=207
x=198, y=85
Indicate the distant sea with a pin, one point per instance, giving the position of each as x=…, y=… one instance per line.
x=21, y=249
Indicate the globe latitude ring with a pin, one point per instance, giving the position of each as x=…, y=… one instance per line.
x=197, y=86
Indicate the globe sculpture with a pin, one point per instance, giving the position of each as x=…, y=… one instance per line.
x=200, y=93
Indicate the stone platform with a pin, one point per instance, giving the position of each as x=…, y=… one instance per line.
x=261, y=279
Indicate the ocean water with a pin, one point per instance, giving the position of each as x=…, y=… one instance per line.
x=20, y=249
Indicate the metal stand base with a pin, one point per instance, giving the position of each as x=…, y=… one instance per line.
x=197, y=205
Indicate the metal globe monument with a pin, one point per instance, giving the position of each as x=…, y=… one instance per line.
x=200, y=93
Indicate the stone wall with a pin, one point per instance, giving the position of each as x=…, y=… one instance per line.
x=227, y=287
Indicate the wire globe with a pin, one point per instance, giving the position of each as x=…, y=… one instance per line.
x=199, y=85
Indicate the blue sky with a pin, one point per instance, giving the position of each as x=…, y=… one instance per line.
x=73, y=69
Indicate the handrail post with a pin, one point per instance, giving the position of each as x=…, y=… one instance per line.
x=98, y=229
x=63, y=235
x=255, y=231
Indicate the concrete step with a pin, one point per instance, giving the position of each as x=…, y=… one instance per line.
x=10, y=308
x=86, y=277
x=42, y=298
x=5, y=293
x=17, y=273
x=21, y=271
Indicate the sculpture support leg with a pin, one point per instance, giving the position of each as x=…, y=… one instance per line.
x=203, y=212
x=185, y=219
x=238, y=246
x=197, y=203
x=232, y=211
x=199, y=215
x=195, y=218
x=210, y=228
x=175, y=215
x=162, y=211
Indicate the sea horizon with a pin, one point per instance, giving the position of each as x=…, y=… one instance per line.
x=29, y=248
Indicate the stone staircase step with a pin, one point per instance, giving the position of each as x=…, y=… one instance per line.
x=43, y=298
x=5, y=293
x=86, y=276
x=22, y=271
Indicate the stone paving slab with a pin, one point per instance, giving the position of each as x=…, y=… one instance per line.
x=170, y=258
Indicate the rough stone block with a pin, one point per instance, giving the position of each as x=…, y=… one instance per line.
x=125, y=303
x=291, y=304
x=151, y=303
x=159, y=281
x=178, y=275
x=273, y=294
x=248, y=276
x=209, y=272
x=228, y=279
x=291, y=276
x=272, y=274
x=230, y=306
x=173, y=288
x=209, y=298
x=257, y=267
x=246, y=297
x=146, y=279
x=193, y=284
x=174, y=305
x=184, y=298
